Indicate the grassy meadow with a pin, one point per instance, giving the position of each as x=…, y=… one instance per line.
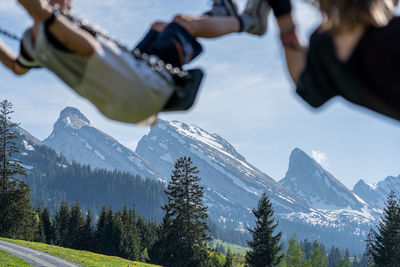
x=83, y=258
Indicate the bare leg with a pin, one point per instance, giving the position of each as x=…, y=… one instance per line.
x=74, y=38
x=159, y=26
x=207, y=26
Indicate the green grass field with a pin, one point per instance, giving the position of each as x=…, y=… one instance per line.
x=7, y=259
x=233, y=247
x=84, y=258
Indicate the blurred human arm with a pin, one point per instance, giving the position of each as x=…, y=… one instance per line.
x=295, y=53
x=9, y=59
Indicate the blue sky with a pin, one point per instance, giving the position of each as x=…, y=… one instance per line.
x=247, y=97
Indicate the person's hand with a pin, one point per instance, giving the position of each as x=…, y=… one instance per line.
x=39, y=10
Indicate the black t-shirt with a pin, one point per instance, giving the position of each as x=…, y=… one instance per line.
x=370, y=77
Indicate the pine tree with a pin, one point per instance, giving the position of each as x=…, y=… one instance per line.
x=216, y=259
x=109, y=233
x=183, y=233
x=383, y=244
x=264, y=246
x=75, y=227
x=344, y=262
x=161, y=252
x=17, y=217
x=334, y=257
x=307, y=248
x=116, y=234
x=365, y=260
x=87, y=236
x=295, y=256
x=347, y=254
x=61, y=220
x=130, y=247
x=318, y=256
x=147, y=232
x=48, y=226
x=100, y=234
x=40, y=235
x=228, y=259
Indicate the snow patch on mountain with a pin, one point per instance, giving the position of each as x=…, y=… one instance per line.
x=338, y=218
x=28, y=146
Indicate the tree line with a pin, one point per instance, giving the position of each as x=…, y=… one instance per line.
x=122, y=233
x=54, y=180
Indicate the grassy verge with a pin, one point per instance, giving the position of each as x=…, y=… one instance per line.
x=84, y=258
x=233, y=247
x=7, y=259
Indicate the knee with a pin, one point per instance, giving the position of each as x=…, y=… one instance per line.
x=185, y=21
x=158, y=26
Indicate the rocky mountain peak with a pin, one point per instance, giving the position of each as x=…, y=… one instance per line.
x=322, y=190
x=376, y=194
x=71, y=115
x=77, y=140
x=299, y=160
x=361, y=184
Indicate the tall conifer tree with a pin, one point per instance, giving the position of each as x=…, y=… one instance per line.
x=318, y=256
x=228, y=259
x=40, y=235
x=183, y=234
x=130, y=238
x=334, y=257
x=383, y=244
x=75, y=227
x=61, y=220
x=17, y=217
x=264, y=248
x=87, y=236
x=100, y=232
x=48, y=226
x=295, y=256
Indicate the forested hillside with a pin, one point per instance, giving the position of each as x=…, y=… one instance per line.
x=53, y=179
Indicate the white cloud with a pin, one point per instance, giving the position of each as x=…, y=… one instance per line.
x=320, y=157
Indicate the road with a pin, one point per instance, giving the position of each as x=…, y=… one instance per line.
x=37, y=258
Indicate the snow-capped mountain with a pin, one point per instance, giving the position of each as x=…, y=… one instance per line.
x=319, y=188
x=333, y=206
x=232, y=184
x=77, y=140
x=308, y=200
x=376, y=194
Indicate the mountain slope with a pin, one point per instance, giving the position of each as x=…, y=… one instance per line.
x=77, y=140
x=232, y=185
x=318, y=187
x=376, y=194
x=53, y=179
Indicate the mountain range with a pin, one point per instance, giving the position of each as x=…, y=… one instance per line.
x=308, y=200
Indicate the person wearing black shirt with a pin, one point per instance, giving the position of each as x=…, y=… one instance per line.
x=353, y=53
